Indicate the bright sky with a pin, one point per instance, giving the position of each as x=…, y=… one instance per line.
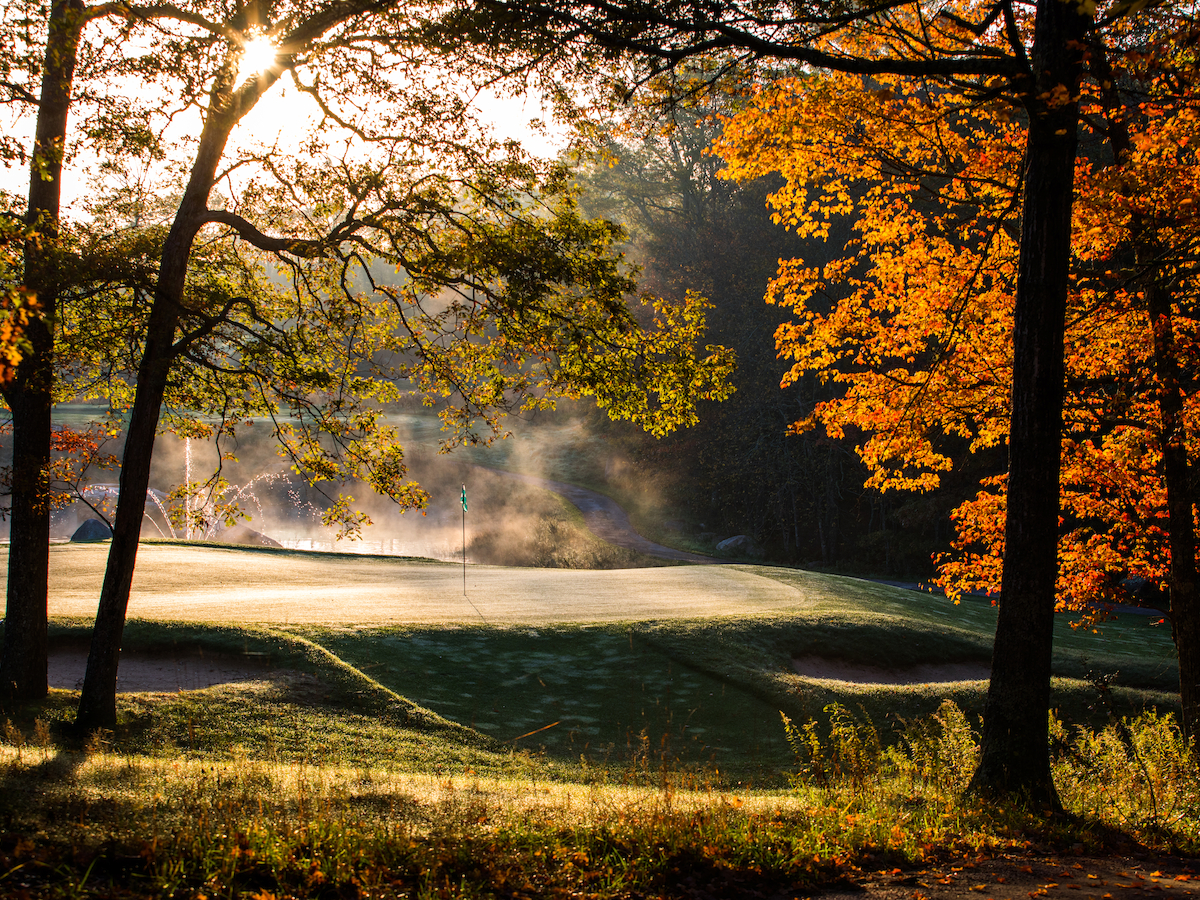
x=509, y=118
x=280, y=117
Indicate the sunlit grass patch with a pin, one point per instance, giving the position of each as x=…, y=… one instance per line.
x=176, y=823
x=233, y=827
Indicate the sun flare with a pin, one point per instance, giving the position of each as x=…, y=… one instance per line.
x=258, y=54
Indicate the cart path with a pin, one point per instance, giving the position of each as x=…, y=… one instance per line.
x=605, y=518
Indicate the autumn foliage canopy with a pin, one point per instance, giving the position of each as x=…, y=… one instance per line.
x=913, y=319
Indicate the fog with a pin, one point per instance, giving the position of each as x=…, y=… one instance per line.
x=508, y=521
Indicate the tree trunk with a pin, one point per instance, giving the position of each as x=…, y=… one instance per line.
x=98, y=700
x=23, y=674
x=1015, y=753
x=1185, y=610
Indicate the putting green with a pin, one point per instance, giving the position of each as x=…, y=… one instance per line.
x=216, y=584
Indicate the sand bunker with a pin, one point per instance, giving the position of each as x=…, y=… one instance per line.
x=159, y=673
x=926, y=673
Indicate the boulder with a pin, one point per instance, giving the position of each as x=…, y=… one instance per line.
x=241, y=534
x=741, y=545
x=90, y=531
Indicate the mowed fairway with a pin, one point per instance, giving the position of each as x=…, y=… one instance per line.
x=215, y=584
x=688, y=664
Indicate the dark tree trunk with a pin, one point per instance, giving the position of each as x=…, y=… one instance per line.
x=1015, y=754
x=1185, y=610
x=23, y=674
x=98, y=700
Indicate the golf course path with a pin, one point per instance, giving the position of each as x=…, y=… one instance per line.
x=194, y=582
x=605, y=518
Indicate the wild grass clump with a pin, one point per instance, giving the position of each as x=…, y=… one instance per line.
x=102, y=819
x=1137, y=775
x=930, y=763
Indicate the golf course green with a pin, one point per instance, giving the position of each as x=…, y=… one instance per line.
x=693, y=663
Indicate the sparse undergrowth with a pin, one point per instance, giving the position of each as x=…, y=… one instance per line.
x=337, y=804
x=554, y=537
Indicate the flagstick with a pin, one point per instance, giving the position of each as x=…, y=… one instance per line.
x=464, y=546
x=464, y=541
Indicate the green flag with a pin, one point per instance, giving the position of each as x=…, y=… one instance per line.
x=464, y=498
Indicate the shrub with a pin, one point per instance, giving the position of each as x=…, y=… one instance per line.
x=1137, y=774
x=851, y=756
x=940, y=752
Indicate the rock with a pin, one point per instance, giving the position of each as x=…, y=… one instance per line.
x=90, y=531
x=740, y=544
x=240, y=534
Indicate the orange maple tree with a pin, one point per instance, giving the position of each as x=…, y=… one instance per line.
x=914, y=320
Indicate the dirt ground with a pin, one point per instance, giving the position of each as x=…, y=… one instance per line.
x=1033, y=876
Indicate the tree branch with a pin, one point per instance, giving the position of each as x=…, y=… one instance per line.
x=251, y=235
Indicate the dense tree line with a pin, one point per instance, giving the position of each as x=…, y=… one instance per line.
x=743, y=468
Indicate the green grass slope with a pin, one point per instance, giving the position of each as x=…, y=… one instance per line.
x=681, y=666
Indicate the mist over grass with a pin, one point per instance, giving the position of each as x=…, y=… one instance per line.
x=509, y=522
